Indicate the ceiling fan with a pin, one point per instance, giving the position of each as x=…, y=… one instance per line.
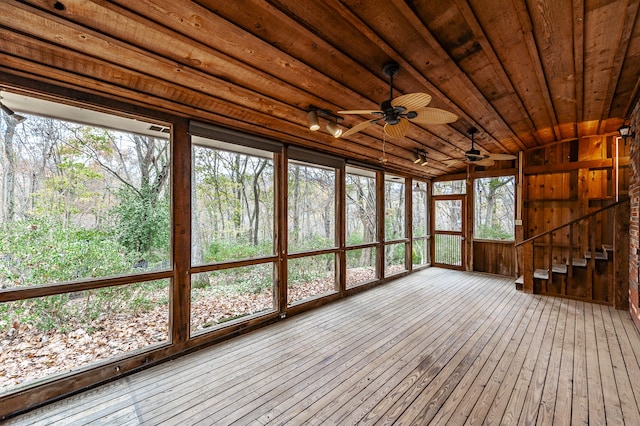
x=474, y=156
x=398, y=112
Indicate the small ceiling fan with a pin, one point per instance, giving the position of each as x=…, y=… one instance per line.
x=398, y=112
x=474, y=156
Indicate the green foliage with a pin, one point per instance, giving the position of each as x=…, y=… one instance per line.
x=309, y=268
x=65, y=193
x=245, y=280
x=313, y=242
x=144, y=223
x=223, y=250
x=64, y=312
x=395, y=254
x=495, y=232
x=418, y=254
x=41, y=251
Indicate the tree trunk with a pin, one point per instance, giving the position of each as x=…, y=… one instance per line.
x=9, y=176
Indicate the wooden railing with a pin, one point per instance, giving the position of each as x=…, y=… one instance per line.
x=586, y=258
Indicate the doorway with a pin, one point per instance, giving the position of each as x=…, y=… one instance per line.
x=448, y=231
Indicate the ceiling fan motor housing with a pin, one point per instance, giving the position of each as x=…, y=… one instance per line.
x=391, y=114
x=474, y=155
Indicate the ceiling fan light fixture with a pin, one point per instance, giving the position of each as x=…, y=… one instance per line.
x=333, y=129
x=416, y=157
x=313, y=120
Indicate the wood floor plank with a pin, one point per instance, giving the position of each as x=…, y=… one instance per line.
x=612, y=403
x=563, y=402
x=530, y=410
x=452, y=377
x=427, y=368
x=594, y=383
x=319, y=403
x=272, y=398
x=552, y=376
x=495, y=396
x=518, y=398
x=458, y=408
x=374, y=347
x=580, y=395
x=370, y=376
x=435, y=347
x=628, y=341
x=630, y=414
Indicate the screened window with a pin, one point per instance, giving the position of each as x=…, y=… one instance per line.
x=312, y=207
x=232, y=219
x=312, y=227
x=450, y=187
x=494, y=208
x=81, y=201
x=420, y=224
x=223, y=296
x=361, y=206
x=394, y=223
x=233, y=203
x=394, y=208
x=361, y=228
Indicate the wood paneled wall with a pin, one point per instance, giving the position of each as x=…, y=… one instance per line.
x=570, y=179
x=567, y=180
x=494, y=257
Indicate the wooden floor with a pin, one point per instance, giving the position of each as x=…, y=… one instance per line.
x=438, y=347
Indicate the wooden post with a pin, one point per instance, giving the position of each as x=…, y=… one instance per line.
x=570, y=271
x=545, y=286
x=181, y=206
x=281, y=226
x=592, y=260
x=620, y=280
x=527, y=267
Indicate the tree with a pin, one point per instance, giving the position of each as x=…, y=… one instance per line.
x=494, y=207
x=9, y=167
x=141, y=164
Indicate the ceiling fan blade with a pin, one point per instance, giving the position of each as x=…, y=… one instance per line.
x=412, y=101
x=360, y=126
x=502, y=156
x=397, y=130
x=486, y=162
x=434, y=116
x=453, y=162
x=360, y=111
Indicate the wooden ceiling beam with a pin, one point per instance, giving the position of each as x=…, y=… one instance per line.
x=390, y=32
x=225, y=113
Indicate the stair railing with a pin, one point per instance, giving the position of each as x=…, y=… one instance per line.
x=528, y=250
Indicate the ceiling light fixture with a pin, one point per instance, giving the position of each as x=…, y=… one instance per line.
x=313, y=120
x=333, y=127
x=420, y=157
x=17, y=117
x=626, y=132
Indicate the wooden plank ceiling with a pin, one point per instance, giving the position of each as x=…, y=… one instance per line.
x=524, y=72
